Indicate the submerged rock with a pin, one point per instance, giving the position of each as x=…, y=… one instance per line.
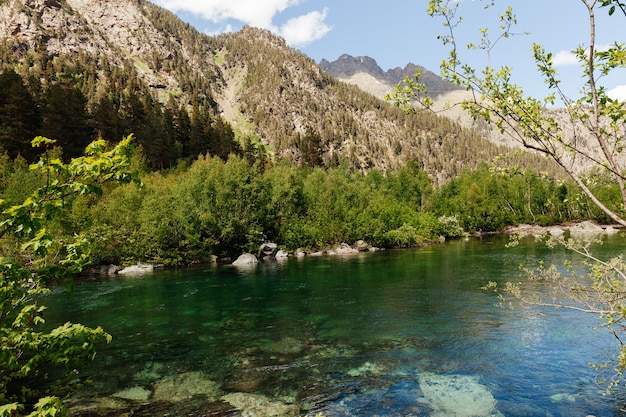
x=564, y=398
x=457, y=396
x=368, y=368
x=135, y=393
x=285, y=346
x=253, y=405
x=175, y=388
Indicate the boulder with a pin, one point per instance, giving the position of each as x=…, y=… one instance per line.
x=138, y=269
x=556, y=231
x=345, y=249
x=282, y=254
x=247, y=259
x=268, y=250
x=585, y=230
x=362, y=246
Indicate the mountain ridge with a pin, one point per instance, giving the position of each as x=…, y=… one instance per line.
x=141, y=61
x=347, y=67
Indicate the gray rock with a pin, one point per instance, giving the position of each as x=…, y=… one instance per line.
x=138, y=269
x=362, y=246
x=345, y=249
x=556, y=231
x=585, y=230
x=268, y=250
x=247, y=259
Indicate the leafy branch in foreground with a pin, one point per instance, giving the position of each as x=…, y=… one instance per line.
x=562, y=136
x=495, y=98
x=26, y=351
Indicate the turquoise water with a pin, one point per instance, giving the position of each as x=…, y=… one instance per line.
x=394, y=333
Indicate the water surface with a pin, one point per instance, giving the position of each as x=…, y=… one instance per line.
x=392, y=333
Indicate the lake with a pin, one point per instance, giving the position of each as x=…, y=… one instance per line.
x=392, y=333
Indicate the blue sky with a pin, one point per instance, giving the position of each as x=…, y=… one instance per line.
x=396, y=32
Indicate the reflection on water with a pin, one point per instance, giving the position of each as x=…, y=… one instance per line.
x=393, y=333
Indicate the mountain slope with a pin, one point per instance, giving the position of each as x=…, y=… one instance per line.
x=142, y=63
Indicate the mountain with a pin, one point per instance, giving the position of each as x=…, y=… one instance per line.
x=142, y=70
x=365, y=72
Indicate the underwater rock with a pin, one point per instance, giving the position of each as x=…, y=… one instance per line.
x=254, y=405
x=367, y=368
x=181, y=387
x=135, y=393
x=564, y=398
x=285, y=346
x=99, y=406
x=457, y=396
x=151, y=372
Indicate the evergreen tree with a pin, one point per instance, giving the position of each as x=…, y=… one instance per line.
x=20, y=118
x=66, y=120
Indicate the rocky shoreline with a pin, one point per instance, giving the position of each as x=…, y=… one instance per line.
x=270, y=250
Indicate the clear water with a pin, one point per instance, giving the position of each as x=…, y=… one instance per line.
x=350, y=336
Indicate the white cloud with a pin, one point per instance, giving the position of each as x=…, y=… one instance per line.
x=567, y=58
x=252, y=12
x=259, y=13
x=305, y=29
x=564, y=59
x=618, y=93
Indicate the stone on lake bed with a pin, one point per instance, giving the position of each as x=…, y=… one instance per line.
x=176, y=388
x=135, y=393
x=564, y=398
x=457, y=396
x=368, y=368
x=285, y=346
x=254, y=405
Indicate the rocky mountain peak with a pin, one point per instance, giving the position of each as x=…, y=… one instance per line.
x=369, y=76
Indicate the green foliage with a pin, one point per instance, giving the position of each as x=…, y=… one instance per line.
x=26, y=350
x=224, y=208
